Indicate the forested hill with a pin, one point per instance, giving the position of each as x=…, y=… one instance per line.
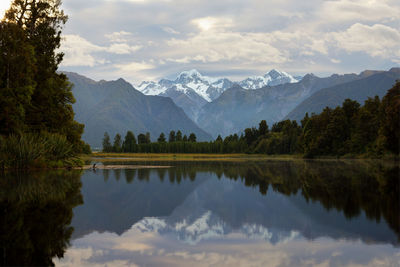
x=116, y=107
x=359, y=90
x=237, y=108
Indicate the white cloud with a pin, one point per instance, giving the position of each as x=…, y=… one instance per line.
x=359, y=10
x=121, y=49
x=235, y=35
x=233, y=249
x=212, y=23
x=170, y=30
x=80, y=52
x=118, y=36
x=133, y=71
x=377, y=40
x=217, y=46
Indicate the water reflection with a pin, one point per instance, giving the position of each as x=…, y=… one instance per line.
x=219, y=212
x=36, y=212
x=329, y=192
x=204, y=213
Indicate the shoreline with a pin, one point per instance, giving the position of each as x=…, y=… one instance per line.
x=122, y=157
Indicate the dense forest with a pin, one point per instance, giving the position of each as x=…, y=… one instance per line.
x=37, y=125
x=372, y=130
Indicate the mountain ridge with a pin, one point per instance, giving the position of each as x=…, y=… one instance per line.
x=373, y=83
x=238, y=108
x=200, y=89
x=116, y=107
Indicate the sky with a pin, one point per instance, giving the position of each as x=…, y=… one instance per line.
x=152, y=39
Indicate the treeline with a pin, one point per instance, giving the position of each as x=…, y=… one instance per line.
x=176, y=143
x=351, y=129
x=35, y=99
x=351, y=188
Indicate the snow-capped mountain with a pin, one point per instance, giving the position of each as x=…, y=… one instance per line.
x=206, y=87
x=210, y=226
x=210, y=88
x=191, y=90
x=272, y=78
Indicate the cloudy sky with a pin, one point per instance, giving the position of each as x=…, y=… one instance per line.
x=151, y=39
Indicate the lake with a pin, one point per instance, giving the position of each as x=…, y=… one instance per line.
x=221, y=213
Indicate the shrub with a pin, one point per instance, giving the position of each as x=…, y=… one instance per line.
x=36, y=150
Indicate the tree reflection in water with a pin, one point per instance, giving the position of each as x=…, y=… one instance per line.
x=36, y=212
x=347, y=186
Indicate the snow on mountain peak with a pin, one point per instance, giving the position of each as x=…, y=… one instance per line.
x=190, y=73
x=208, y=226
x=209, y=88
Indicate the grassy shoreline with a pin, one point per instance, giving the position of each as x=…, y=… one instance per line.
x=104, y=157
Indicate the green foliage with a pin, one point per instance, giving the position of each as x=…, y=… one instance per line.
x=117, y=145
x=129, y=144
x=16, y=77
x=107, y=147
x=161, y=138
x=20, y=152
x=346, y=130
x=390, y=129
x=192, y=138
x=57, y=146
x=86, y=149
x=263, y=128
x=351, y=129
x=172, y=137
x=36, y=150
x=34, y=97
x=178, y=136
x=142, y=139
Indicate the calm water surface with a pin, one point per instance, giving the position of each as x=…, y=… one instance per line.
x=269, y=213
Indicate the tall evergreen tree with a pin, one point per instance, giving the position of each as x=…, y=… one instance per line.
x=142, y=139
x=50, y=107
x=172, y=137
x=117, y=145
x=161, y=138
x=107, y=147
x=192, y=138
x=148, y=139
x=390, y=130
x=17, y=67
x=263, y=128
x=178, y=136
x=129, y=143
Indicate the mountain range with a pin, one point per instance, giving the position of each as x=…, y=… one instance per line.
x=116, y=107
x=371, y=84
x=209, y=208
x=191, y=90
x=210, y=107
x=237, y=108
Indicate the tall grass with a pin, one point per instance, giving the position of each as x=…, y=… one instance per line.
x=35, y=150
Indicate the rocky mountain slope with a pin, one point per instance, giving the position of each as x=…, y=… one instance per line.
x=359, y=90
x=116, y=107
x=238, y=108
x=191, y=90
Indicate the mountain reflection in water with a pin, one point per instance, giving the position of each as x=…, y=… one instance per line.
x=204, y=213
